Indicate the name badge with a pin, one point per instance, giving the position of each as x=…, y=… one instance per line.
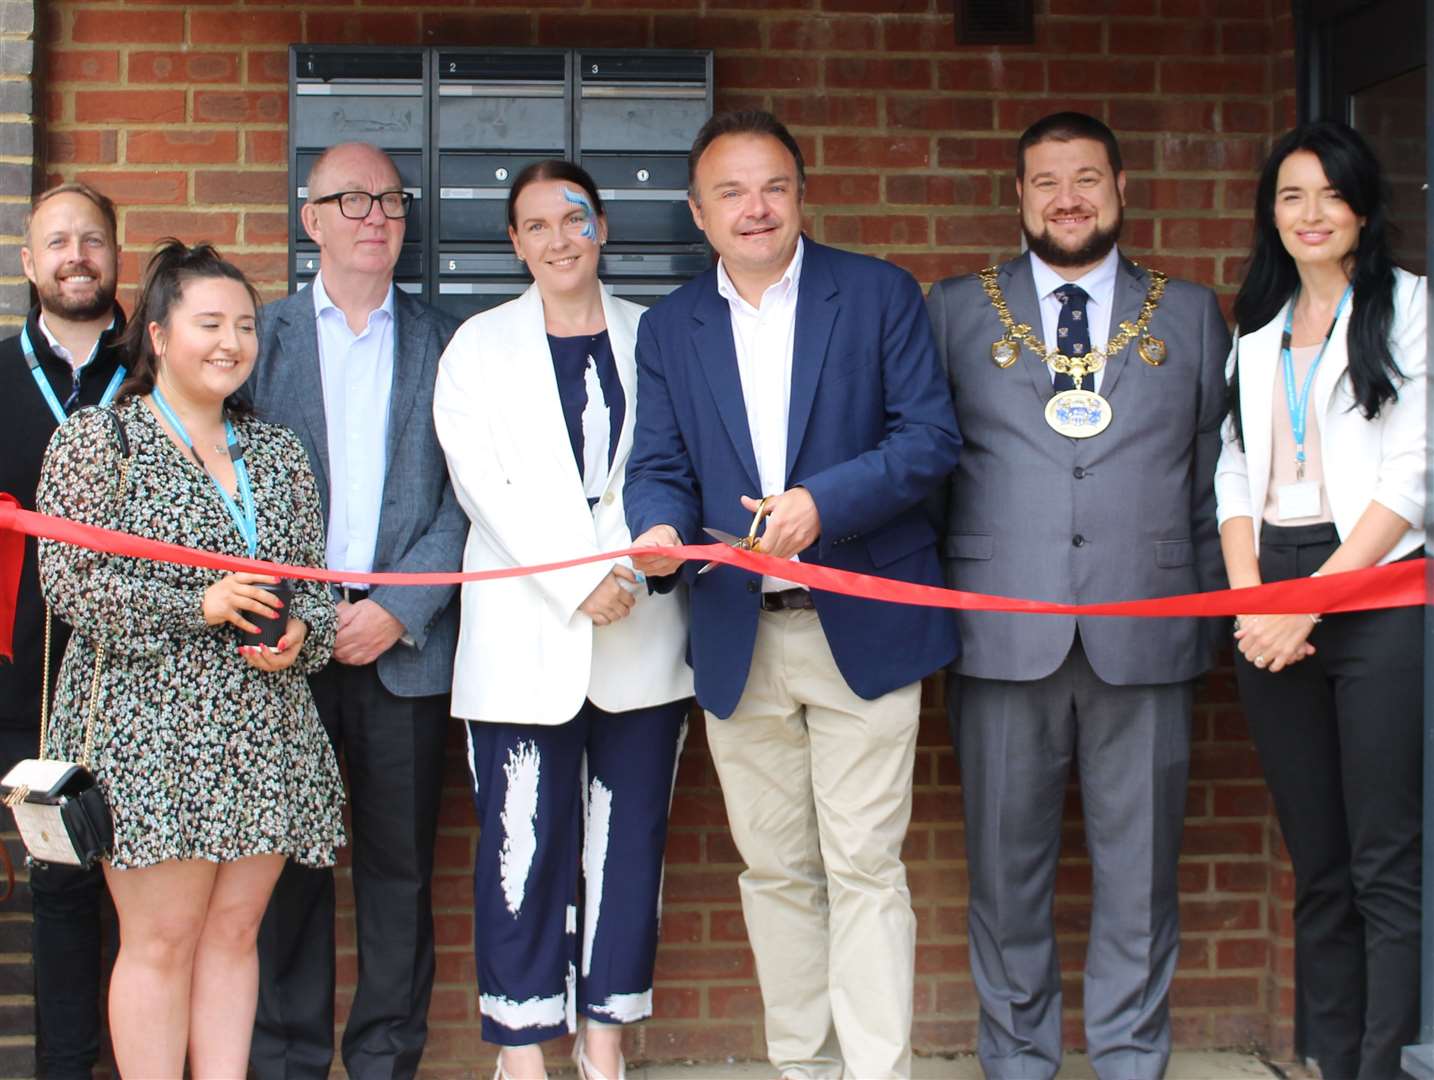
x=1295, y=501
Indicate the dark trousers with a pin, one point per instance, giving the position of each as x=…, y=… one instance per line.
x=66, y=901
x=393, y=751
x=596, y=790
x=1340, y=737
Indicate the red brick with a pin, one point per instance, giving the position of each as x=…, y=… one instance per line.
x=765, y=72
x=186, y=146
x=734, y=1002
x=232, y=186
x=1242, y=876
x=366, y=28
x=707, y=1042
x=823, y=33
x=266, y=147
x=863, y=74
x=917, y=33
x=89, y=66
x=150, y=27
x=842, y=189
x=449, y=1005
x=147, y=227
x=1160, y=194
x=1224, y=838
x=1242, y=953
x=728, y=925
x=1188, y=991
x=129, y=106
x=247, y=28
x=1104, y=7
x=1147, y=114
x=240, y=107
x=826, y=110
x=267, y=66
x=1125, y=77
x=1206, y=233
x=87, y=147
x=875, y=150
x=1213, y=916
x=972, y=152
x=990, y=73
x=978, y=230
x=1017, y=114
x=1068, y=37
x=1163, y=37
x=942, y=114
x=1252, y=117
x=592, y=31
x=139, y=188
x=1242, y=800
x=183, y=67
x=929, y=266
x=1213, y=77
x=1245, y=37
x=706, y=32
x=881, y=7
x=267, y=268
x=703, y=963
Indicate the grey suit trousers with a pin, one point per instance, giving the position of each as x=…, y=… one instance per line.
x=1131, y=746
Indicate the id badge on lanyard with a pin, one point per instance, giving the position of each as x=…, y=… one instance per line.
x=48, y=392
x=1302, y=498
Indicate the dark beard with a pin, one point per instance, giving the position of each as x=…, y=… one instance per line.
x=101, y=304
x=1092, y=251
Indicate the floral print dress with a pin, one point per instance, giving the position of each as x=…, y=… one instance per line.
x=199, y=755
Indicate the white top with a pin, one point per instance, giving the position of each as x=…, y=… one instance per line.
x=64, y=353
x=357, y=372
x=1380, y=460
x=1099, y=285
x=764, y=337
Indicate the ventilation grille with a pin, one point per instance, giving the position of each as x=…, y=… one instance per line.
x=995, y=22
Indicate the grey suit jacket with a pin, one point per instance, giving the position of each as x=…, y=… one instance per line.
x=1128, y=514
x=421, y=527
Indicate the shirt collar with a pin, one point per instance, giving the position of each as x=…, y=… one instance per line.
x=64, y=353
x=1099, y=283
x=786, y=285
x=322, y=303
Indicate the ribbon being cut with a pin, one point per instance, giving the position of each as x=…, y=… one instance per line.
x=1400, y=584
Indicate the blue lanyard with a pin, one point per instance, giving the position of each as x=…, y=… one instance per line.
x=48, y=391
x=1299, y=406
x=246, y=522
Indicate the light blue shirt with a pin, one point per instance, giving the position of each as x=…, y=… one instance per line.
x=357, y=371
x=1099, y=285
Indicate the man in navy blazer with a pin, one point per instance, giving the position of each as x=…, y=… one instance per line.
x=808, y=376
x=349, y=364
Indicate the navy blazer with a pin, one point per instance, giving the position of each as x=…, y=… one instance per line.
x=870, y=433
x=421, y=527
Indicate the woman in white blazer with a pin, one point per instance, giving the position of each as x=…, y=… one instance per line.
x=1323, y=470
x=574, y=683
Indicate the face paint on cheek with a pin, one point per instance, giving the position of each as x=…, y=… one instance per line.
x=589, y=229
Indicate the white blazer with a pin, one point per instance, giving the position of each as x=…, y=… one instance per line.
x=526, y=654
x=1380, y=460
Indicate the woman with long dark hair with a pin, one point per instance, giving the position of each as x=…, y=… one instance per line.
x=1323, y=471
x=209, y=752
x=574, y=683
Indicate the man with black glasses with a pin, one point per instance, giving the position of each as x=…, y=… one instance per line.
x=349, y=364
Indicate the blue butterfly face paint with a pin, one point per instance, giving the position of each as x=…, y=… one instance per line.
x=578, y=198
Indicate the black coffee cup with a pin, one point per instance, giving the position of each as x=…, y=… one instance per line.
x=270, y=630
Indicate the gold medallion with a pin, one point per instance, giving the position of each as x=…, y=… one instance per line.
x=1152, y=350
x=1078, y=413
x=1005, y=352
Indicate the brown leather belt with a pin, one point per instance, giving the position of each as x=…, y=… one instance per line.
x=788, y=600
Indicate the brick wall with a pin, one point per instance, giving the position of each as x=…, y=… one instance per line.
x=179, y=112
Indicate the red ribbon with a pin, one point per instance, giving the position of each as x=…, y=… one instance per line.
x=1400, y=584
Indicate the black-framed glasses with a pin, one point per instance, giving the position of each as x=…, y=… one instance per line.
x=357, y=205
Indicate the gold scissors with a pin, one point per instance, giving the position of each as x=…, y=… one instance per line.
x=750, y=542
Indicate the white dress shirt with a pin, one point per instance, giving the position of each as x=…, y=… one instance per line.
x=357, y=372
x=64, y=353
x=764, y=337
x=1099, y=285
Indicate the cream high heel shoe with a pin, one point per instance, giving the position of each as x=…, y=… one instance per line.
x=586, y=1069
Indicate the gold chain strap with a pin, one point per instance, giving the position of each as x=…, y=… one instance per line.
x=100, y=649
x=1005, y=351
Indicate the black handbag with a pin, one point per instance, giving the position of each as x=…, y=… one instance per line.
x=59, y=809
